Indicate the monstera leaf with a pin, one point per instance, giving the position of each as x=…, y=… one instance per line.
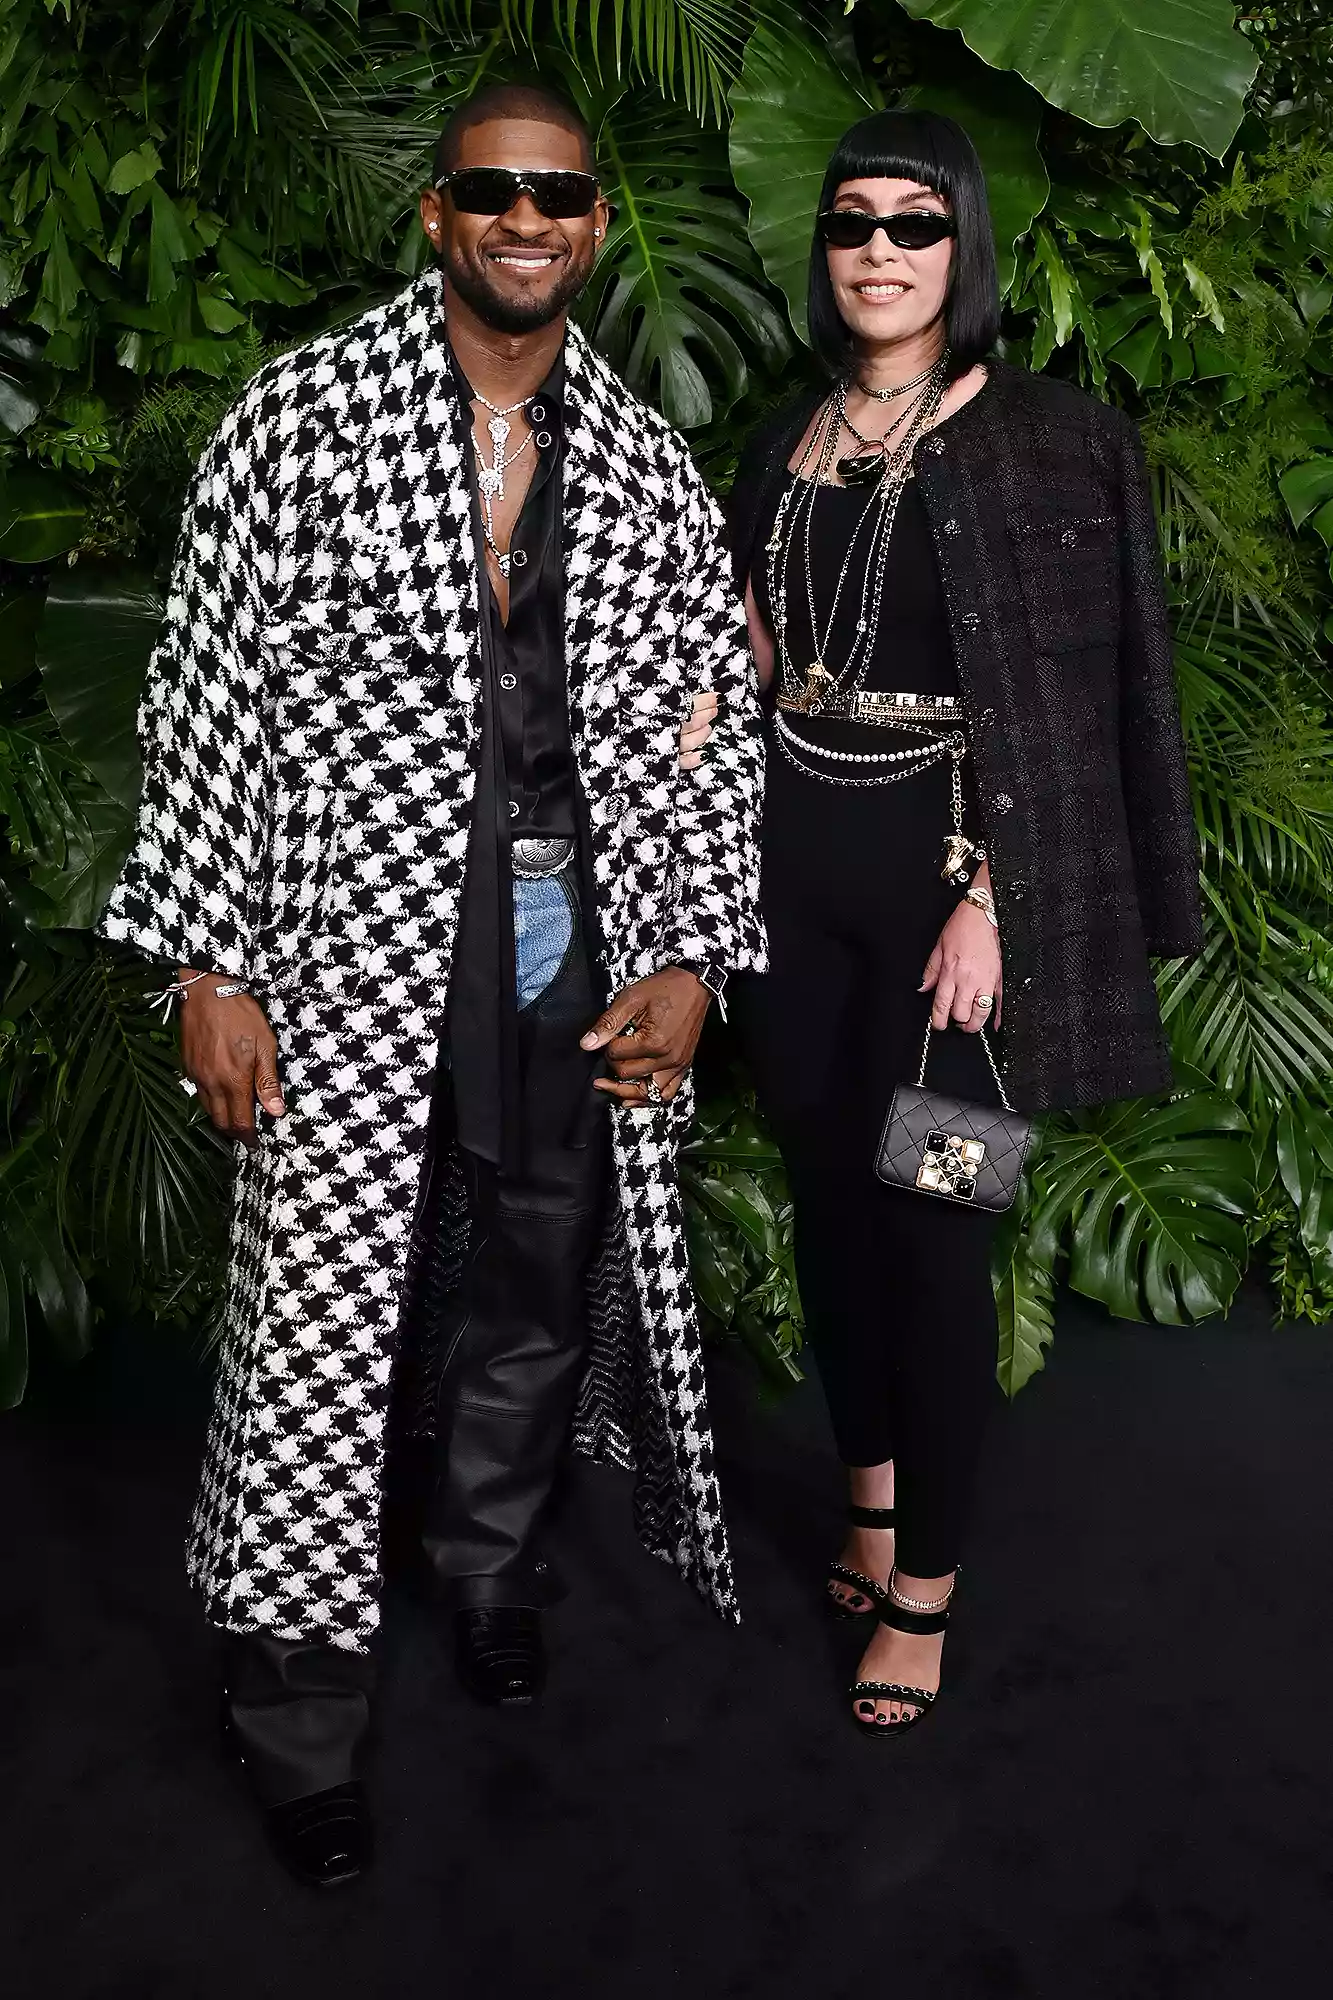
x=1149, y=1200
x=96, y=636
x=678, y=300
x=1002, y=117
x=793, y=103
x=41, y=515
x=79, y=886
x=1024, y=1299
x=1178, y=66
x=789, y=108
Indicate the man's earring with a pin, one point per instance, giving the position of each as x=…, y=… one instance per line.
x=596, y=232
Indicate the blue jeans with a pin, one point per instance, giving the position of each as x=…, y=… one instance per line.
x=543, y=929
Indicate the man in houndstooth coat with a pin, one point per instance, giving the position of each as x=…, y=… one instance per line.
x=444, y=594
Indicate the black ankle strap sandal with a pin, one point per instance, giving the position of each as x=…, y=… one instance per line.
x=866, y=1693
x=865, y=1586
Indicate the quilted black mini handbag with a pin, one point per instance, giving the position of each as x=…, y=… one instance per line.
x=949, y=1147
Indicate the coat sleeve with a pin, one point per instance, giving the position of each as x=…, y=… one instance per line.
x=1162, y=834
x=190, y=887
x=716, y=917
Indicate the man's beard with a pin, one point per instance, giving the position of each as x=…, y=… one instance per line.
x=506, y=315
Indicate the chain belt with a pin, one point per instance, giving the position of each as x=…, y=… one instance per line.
x=888, y=710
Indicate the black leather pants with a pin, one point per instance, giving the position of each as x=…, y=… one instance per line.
x=300, y=1710
x=507, y=1393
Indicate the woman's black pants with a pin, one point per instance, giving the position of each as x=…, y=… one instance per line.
x=895, y=1285
x=300, y=1709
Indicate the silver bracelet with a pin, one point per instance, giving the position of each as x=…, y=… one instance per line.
x=180, y=990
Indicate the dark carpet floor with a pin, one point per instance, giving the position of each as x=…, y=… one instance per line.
x=1126, y=1792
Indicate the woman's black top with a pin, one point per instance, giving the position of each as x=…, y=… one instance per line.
x=913, y=653
x=1040, y=515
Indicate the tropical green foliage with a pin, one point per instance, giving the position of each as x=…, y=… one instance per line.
x=190, y=185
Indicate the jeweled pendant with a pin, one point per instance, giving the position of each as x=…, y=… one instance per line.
x=499, y=428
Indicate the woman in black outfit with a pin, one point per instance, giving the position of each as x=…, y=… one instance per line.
x=942, y=551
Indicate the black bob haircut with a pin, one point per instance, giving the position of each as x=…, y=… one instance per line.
x=925, y=147
x=526, y=101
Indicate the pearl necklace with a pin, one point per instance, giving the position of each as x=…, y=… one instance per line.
x=912, y=760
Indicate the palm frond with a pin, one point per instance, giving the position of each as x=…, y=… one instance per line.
x=136, y=1158
x=1247, y=1011
x=1261, y=751
x=690, y=50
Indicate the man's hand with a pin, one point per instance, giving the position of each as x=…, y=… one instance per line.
x=650, y=1030
x=230, y=1053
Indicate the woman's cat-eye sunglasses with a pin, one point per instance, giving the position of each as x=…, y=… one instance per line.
x=558, y=193
x=916, y=229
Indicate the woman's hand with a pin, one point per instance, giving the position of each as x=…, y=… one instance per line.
x=964, y=963
x=696, y=730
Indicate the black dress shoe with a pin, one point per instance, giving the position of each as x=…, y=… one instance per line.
x=324, y=1840
x=501, y=1659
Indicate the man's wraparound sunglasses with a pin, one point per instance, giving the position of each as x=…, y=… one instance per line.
x=557, y=192
x=916, y=229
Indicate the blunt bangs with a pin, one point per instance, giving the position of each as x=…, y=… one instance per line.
x=935, y=151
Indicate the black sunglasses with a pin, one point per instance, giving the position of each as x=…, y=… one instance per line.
x=917, y=229
x=557, y=192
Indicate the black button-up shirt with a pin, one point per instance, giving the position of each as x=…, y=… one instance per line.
x=531, y=700
x=525, y=780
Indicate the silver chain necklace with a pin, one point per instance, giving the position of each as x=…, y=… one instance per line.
x=491, y=478
x=795, y=517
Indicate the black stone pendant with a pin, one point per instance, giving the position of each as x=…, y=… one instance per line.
x=863, y=468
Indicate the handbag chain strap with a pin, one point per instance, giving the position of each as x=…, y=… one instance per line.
x=990, y=1058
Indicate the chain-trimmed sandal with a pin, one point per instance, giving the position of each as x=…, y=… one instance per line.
x=846, y=1608
x=924, y=1620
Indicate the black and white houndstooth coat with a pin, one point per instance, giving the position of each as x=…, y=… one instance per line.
x=310, y=731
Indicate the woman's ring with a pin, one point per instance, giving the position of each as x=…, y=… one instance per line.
x=983, y=1003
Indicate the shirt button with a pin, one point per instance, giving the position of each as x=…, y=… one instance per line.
x=538, y=412
x=509, y=680
x=513, y=809
x=543, y=439
x=519, y=559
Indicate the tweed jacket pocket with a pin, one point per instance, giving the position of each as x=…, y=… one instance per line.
x=1068, y=568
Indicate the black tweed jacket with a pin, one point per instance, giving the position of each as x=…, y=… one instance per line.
x=1038, y=501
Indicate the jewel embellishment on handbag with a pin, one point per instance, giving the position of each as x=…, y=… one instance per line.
x=950, y=1164
x=954, y=1148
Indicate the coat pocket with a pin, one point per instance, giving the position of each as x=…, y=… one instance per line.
x=1068, y=568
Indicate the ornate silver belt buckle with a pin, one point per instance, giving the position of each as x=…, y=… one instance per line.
x=532, y=857
x=950, y=1165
